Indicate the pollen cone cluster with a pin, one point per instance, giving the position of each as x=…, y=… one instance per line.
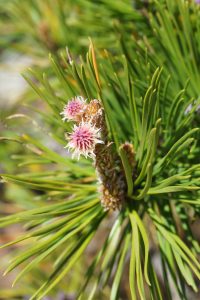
x=107, y=162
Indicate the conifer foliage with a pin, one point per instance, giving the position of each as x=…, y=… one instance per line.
x=125, y=122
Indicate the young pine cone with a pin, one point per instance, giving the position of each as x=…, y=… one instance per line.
x=90, y=138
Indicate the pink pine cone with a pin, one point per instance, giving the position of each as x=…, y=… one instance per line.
x=83, y=140
x=73, y=109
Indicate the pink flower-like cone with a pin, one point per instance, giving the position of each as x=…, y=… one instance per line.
x=73, y=109
x=83, y=140
x=89, y=137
